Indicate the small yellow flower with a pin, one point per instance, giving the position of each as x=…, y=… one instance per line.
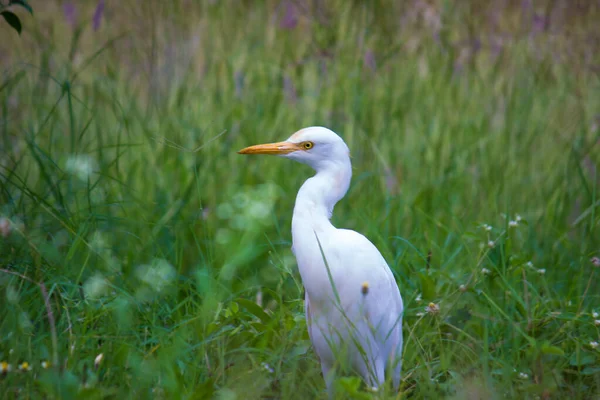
x=5, y=367
x=364, y=288
x=24, y=366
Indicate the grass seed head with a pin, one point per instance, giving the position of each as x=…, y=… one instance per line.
x=98, y=360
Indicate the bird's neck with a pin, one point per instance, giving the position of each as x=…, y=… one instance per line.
x=319, y=194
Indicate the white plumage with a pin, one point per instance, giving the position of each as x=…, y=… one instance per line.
x=353, y=305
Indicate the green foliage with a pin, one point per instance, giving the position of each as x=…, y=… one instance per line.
x=140, y=256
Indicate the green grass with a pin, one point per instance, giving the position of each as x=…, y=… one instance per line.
x=137, y=232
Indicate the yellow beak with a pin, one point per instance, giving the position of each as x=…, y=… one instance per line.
x=278, y=148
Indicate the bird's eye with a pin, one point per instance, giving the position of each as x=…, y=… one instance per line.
x=308, y=145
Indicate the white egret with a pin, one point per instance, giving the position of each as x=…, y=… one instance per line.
x=353, y=304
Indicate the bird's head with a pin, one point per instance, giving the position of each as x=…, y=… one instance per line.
x=315, y=146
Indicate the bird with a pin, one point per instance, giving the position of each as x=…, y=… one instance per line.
x=353, y=304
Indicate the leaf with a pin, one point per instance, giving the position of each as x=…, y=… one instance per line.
x=254, y=309
x=578, y=360
x=21, y=3
x=427, y=287
x=590, y=371
x=554, y=350
x=350, y=386
x=12, y=20
x=300, y=349
x=205, y=390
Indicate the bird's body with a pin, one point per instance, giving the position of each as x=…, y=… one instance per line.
x=353, y=305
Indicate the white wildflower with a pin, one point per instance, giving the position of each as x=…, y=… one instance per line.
x=5, y=367
x=513, y=224
x=597, y=322
x=259, y=209
x=595, y=261
x=267, y=368
x=158, y=275
x=523, y=375
x=24, y=366
x=224, y=211
x=491, y=244
x=594, y=345
x=485, y=271
x=518, y=218
x=529, y=264
x=95, y=286
x=418, y=298
x=432, y=308
x=462, y=288
x=223, y=236
x=80, y=166
x=99, y=242
x=541, y=271
x=241, y=200
x=595, y=314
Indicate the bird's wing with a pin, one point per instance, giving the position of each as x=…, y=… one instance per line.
x=359, y=263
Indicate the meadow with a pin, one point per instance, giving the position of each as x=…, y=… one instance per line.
x=142, y=257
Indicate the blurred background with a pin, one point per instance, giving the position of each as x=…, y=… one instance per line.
x=131, y=229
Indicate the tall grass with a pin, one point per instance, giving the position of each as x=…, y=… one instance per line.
x=130, y=228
